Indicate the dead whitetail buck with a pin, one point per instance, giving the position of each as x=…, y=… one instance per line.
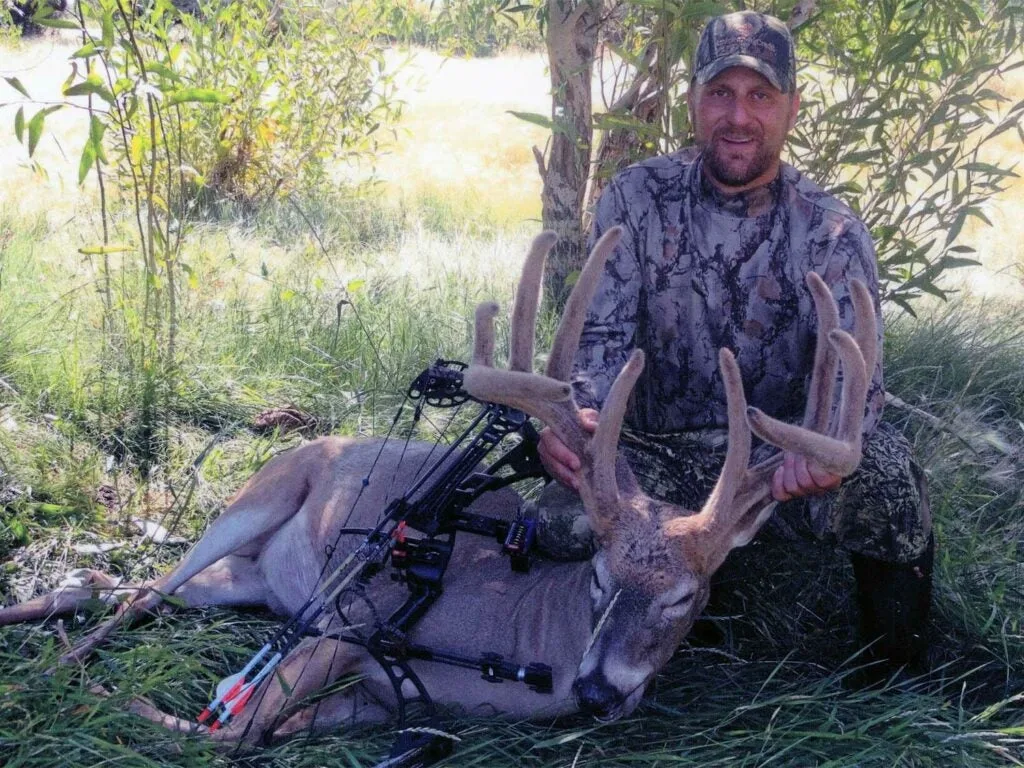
x=605, y=627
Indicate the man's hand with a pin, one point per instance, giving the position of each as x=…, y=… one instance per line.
x=799, y=477
x=561, y=463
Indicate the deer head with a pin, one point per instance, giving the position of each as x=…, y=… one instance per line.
x=655, y=560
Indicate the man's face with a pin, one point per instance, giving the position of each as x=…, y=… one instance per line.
x=740, y=121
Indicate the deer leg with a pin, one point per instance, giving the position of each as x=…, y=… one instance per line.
x=263, y=506
x=356, y=704
x=231, y=581
x=275, y=712
x=79, y=586
x=280, y=702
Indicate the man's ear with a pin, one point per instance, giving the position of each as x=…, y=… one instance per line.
x=794, y=110
x=691, y=105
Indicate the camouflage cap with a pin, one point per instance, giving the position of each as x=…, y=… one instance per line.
x=747, y=39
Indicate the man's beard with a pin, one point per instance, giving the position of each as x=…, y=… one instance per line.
x=726, y=172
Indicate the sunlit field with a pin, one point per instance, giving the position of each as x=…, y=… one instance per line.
x=459, y=160
x=332, y=319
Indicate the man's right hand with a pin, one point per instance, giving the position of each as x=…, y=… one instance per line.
x=561, y=463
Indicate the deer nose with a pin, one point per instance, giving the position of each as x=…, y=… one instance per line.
x=596, y=696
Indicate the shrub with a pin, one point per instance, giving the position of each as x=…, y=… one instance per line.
x=898, y=105
x=244, y=103
x=304, y=87
x=459, y=27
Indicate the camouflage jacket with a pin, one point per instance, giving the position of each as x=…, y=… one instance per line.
x=697, y=270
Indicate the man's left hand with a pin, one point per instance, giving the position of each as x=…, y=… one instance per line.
x=799, y=477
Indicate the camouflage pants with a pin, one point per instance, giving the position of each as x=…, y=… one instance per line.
x=881, y=511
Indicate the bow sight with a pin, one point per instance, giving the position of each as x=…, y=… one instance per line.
x=416, y=537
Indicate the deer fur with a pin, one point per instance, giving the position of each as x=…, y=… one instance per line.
x=606, y=627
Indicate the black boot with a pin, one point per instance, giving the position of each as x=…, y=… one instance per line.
x=894, y=600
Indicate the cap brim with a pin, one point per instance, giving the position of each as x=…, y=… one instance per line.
x=712, y=70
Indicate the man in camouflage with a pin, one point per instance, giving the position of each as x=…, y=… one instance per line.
x=717, y=242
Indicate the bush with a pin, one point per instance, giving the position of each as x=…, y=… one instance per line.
x=303, y=86
x=16, y=15
x=898, y=104
x=246, y=103
x=459, y=27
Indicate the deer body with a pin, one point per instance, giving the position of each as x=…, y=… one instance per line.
x=290, y=512
x=605, y=627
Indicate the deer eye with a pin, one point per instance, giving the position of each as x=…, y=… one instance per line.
x=679, y=608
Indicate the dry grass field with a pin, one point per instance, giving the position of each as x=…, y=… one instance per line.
x=457, y=147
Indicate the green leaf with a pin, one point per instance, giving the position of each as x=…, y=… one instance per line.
x=201, y=95
x=1003, y=126
x=88, y=158
x=93, y=606
x=958, y=224
x=92, y=85
x=108, y=29
x=18, y=531
x=858, y=158
x=96, y=130
x=953, y=262
x=19, y=125
x=159, y=68
x=58, y=23
x=35, y=127
x=536, y=119
x=87, y=50
x=282, y=682
x=979, y=214
x=562, y=738
x=929, y=287
x=135, y=150
x=903, y=304
x=99, y=250
x=15, y=83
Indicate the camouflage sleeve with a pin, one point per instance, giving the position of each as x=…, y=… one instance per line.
x=609, y=333
x=854, y=257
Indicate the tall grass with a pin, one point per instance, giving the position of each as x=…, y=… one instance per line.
x=276, y=316
x=331, y=305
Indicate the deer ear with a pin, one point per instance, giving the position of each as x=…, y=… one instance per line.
x=748, y=525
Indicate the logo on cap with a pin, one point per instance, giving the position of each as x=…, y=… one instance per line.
x=747, y=39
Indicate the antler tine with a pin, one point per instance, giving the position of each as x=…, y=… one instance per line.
x=548, y=398
x=823, y=374
x=567, y=337
x=483, y=338
x=737, y=456
x=524, y=311
x=865, y=326
x=603, y=448
x=837, y=455
x=540, y=396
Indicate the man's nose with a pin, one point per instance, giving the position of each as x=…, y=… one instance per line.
x=738, y=113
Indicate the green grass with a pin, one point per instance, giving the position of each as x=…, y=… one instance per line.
x=274, y=316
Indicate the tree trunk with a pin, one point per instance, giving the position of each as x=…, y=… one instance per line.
x=622, y=146
x=571, y=43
